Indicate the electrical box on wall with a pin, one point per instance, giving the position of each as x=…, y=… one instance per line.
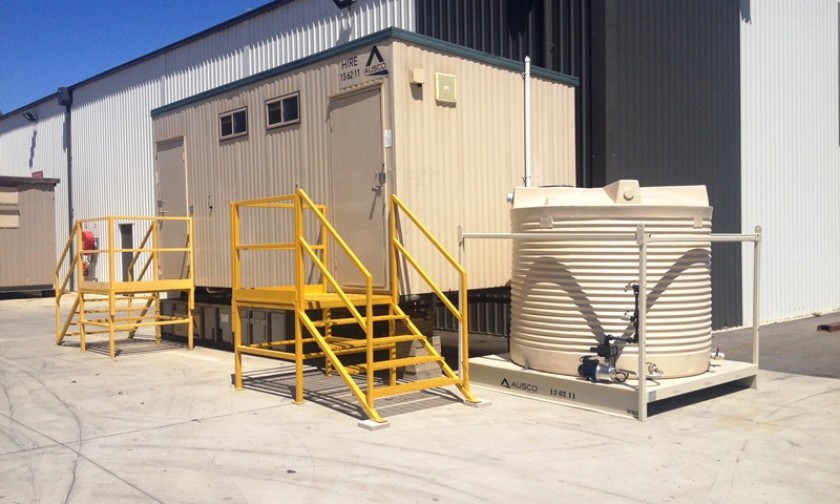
x=417, y=76
x=445, y=88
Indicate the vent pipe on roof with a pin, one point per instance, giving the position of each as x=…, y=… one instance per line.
x=527, y=121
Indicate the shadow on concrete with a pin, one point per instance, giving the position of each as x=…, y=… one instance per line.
x=794, y=347
x=333, y=393
x=129, y=346
x=672, y=403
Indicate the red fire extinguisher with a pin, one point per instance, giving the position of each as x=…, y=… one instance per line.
x=89, y=257
x=88, y=241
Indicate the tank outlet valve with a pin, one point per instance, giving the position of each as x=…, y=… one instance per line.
x=653, y=370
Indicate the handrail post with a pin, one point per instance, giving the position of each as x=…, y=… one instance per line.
x=155, y=245
x=236, y=323
x=642, y=241
x=299, y=294
x=756, y=294
x=464, y=346
x=191, y=295
x=112, y=310
x=369, y=336
x=392, y=224
x=80, y=263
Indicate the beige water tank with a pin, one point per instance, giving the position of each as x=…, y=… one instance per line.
x=568, y=295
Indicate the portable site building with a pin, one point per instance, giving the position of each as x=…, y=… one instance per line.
x=27, y=233
x=439, y=125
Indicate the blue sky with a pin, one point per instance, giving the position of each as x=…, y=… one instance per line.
x=47, y=44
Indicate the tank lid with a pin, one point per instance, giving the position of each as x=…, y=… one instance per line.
x=621, y=192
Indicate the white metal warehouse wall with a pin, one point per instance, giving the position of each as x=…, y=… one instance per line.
x=30, y=147
x=111, y=135
x=791, y=154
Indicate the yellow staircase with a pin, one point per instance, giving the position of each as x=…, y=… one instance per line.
x=87, y=305
x=379, y=321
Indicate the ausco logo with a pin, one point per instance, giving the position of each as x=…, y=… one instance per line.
x=377, y=67
x=528, y=387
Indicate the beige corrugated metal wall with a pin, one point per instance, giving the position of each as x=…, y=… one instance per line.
x=27, y=257
x=455, y=164
x=791, y=155
x=263, y=163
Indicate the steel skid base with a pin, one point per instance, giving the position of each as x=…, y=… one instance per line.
x=500, y=373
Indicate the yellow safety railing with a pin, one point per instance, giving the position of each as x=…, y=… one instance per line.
x=366, y=322
x=399, y=250
x=61, y=285
x=328, y=294
x=150, y=258
x=148, y=281
x=286, y=202
x=317, y=255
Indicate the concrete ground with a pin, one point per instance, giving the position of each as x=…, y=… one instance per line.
x=163, y=424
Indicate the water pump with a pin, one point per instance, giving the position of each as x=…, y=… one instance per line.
x=593, y=368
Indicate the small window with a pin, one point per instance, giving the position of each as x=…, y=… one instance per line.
x=233, y=124
x=9, y=218
x=283, y=111
x=9, y=207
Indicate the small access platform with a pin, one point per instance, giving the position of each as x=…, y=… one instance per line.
x=107, y=299
x=332, y=322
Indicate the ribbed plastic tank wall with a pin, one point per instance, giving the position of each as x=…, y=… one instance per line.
x=567, y=296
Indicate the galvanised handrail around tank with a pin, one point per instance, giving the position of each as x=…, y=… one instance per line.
x=642, y=238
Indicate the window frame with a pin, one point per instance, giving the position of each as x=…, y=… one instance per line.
x=280, y=99
x=231, y=114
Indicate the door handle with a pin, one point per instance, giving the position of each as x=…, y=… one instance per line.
x=379, y=177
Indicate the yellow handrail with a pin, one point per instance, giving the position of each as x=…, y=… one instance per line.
x=111, y=286
x=137, y=256
x=365, y=323
x=399, y=248
x=327, y=294
x=61, y=286
x=277, y=202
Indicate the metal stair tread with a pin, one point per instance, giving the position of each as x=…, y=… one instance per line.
x=394, y=363
x=341, y=343
x=413, y=386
